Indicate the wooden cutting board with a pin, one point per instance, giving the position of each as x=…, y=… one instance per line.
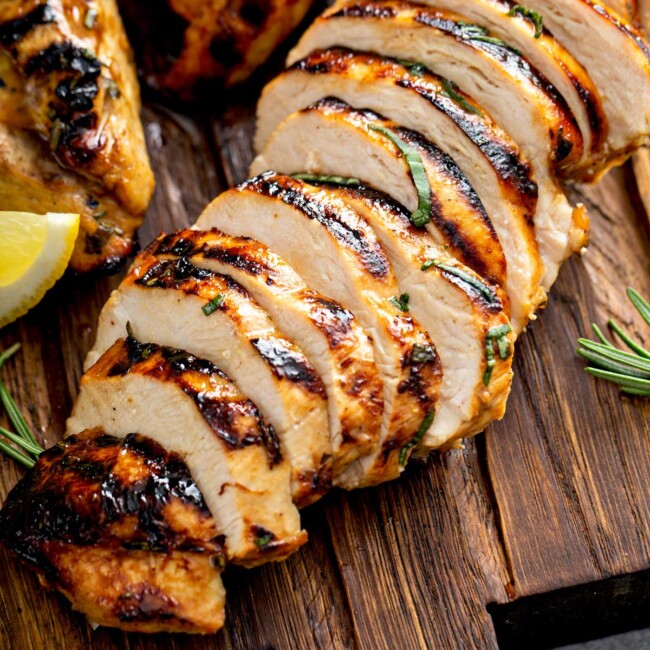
x=536, y=534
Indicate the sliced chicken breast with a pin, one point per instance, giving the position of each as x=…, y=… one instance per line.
x=462, y=313
x=525, y=30
x=328, y=333
x=503, y=83
x=616, y=57
x=127, y=537
x=187, y=405
x=336, y=252
x=416, y=99
x=177, y=304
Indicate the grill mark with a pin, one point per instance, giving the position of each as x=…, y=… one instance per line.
x=507, y=58
x=288, y=364
x=445, y=166
x=503, y=157
x=292, y=193
x=378, y=200
x=84, y=489
x=237, y=422
x=334, y=320
x=14, y=30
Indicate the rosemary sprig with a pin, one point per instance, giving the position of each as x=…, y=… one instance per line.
x=28, y=447
x=629, y=370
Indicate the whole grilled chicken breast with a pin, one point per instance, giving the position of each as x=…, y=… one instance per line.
x=336, y=252
x=119, y=526
x=72, y=97
x=180, y=305
x=187, y=405
x=328, y=333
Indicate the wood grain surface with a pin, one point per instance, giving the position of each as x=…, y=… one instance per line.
x=555, y=495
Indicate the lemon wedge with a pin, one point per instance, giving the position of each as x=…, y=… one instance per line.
x=34, y=252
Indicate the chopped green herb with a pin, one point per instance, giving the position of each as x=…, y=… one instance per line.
x=213, y=305
x=498, y=335
x=473, y=32
x=91, y=18
x=421, y=216
x=629, y=370
x=452, y=91
x=401, y=302
x=485, y=291
x=533, y=16
x=333, y=180
x=263, y=541
x=415, y=68
x=424, y=427
x=422, y=354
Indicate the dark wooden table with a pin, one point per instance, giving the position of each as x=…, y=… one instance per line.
x=537, y=533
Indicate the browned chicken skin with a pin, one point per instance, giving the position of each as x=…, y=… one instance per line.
x=70, y=133
x=121, y=529
x=183, y=42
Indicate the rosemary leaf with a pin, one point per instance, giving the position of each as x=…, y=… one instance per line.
x=470, y=280
x=612, y=365
x=601, y=336
x=633, y=345
x=633, y=383
x=642, y=306
x=453, y=92
x=16, y=455
x=21, y=442
x=619, y=356
x=9, y=352
x=15, y=416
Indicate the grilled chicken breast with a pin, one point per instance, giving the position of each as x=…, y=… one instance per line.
x=182, y=43
x=416, y=99
x=119, y=526
x=616, y=58
x=71, y=102
x=526, y=32
x=179, y=305
x=328, y=333
x=189, y=406
x=461, y=312
x=335, y=251
x=503, y=83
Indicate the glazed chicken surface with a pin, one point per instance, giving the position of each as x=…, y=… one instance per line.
x=71, y=139
x=121, y=529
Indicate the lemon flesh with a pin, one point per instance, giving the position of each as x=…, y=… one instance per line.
x=34, y=252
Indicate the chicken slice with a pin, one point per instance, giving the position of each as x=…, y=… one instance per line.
x=177, y=304
x=416, y=99
x=189, y=406
x=526, y=32
x=338, y=254
x=461, y=312
x=503, y=83
x=615, y=56
x=328, y=333
x=74, y=93
x=119, y=526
